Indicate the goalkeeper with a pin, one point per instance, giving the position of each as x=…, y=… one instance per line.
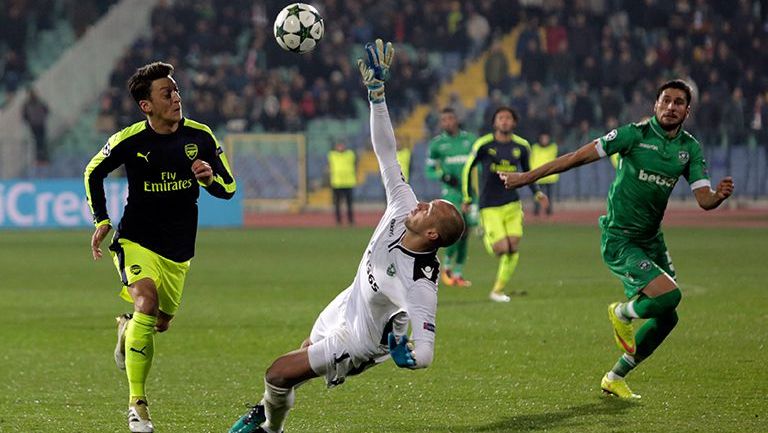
x=396, y=282
x=448, y=152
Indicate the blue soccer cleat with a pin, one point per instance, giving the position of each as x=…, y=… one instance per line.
x=251, y=421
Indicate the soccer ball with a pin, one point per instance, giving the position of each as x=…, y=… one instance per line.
x=298, y=28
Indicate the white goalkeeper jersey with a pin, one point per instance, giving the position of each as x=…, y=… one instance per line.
x=393, y=285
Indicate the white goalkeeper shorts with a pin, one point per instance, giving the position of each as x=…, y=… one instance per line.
x=331, y=349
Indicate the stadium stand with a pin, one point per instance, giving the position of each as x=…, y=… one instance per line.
x=34, y=33
x=576, y=69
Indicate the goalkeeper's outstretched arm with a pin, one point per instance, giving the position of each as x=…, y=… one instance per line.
x=383, y=136
x=375, y=72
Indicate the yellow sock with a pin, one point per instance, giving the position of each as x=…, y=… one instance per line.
x=139, y=351
x=507, y=265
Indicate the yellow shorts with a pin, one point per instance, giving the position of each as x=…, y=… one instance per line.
x=500, y=222
x=134, y=262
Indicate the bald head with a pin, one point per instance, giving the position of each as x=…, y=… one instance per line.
x=450, y=223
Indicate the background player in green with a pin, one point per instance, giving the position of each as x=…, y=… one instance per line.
x=501, y=213
x=167, y=159
x=654, y=154
x=448, y=152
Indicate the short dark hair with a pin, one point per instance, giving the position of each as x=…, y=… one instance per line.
x=140, y=83
x=676, y=84
x=506, y=108
x=448, y=110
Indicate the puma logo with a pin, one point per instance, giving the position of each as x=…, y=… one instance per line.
x=140, y=351
x=141, y=155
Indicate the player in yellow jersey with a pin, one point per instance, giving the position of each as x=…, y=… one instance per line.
x=501, y=213
x=167, y=160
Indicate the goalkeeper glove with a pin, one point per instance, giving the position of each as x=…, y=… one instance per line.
x=450, y=180
x=401, y=351
x=375, y=70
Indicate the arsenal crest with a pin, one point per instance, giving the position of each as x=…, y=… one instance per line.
x=191, y=150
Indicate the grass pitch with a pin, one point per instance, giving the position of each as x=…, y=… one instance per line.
x=251, y=295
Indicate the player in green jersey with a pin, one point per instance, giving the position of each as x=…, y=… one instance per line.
x=448, y=152
x=167, y=160
x=654, y=154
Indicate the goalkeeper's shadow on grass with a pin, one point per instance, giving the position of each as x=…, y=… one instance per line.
x=534, y=422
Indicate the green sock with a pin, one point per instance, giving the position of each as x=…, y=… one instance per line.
x=648, y=338
x=461, y=255
x=652, y=333
x=139, y=350
x=624, y=365
x=646, y=307
x=507, y=265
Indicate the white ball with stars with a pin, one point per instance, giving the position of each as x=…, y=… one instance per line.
x=298, y=28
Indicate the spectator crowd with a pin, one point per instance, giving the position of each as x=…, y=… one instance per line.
x=22, y=22
x=588, y=66
x=233, y=73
